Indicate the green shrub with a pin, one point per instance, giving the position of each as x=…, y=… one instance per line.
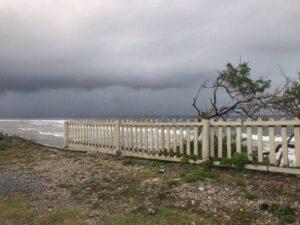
x=129, y=161
x=173, y=183
x=251, y=196
x=238, y=160
x=102, y=196
x=200, y=175
x=285, y=214
x=239, y=182
x=207, y=164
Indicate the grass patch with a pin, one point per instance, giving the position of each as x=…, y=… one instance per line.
x=251, y=196
x=240, y=183
x=160, y=163
x=285, y=214
x=200, y=175
x=18, y=211
x=103, y=196
x=164, y=216
x=134, y=178
x=238, y=161
x=173, y=183
x=244, y=217
x=63, y=218
x=129, y=161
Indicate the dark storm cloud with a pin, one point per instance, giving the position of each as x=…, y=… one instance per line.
x=33, y=84
x=144, y=47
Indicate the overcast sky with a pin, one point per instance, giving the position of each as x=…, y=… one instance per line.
x=95, y=58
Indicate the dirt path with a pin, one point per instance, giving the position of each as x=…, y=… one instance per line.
x=43, y=186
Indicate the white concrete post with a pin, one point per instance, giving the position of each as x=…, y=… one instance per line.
x=205, y=140
x=212, y=141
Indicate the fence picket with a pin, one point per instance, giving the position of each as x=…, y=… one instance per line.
x=260, y=144
x=188, y=141
x=181, y=139
x=249, y=143
x=196, y=132
x=220, y=142
x=284, y=146
x=212, y=142
x=229, y=152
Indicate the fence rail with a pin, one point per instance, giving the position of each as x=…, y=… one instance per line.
x=271, y=145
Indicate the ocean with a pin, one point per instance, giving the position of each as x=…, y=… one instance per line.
x=47, y=132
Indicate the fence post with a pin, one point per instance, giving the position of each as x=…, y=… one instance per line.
x=205, y=140
x=66, y=134
x=117, y=136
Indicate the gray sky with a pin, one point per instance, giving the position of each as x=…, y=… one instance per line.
x=95, y=58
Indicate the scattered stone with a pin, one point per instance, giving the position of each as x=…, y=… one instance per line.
x=153, y=181
x=200, y=188
x=151, y=211
x=161, y=171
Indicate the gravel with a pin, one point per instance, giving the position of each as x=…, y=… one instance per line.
x=18, y=182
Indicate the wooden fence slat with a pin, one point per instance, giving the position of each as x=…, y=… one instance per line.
x=238, y=139
x=212, y=142
x=168, y=140
x=136, y=138
x=174, y=138
x=249, y=143
x=140, y=138
x=157, y=139
x=162, y=138
x=151, y=138
x=260, y=144
x=181, y=139
x=205, y=140
x=229, y=151
x=220, y=142
x=272, y=145
x=284, y=146
x=113, y=137
x=196, y=132
x=188, y=141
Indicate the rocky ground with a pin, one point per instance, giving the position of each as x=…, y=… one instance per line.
x=39, y=185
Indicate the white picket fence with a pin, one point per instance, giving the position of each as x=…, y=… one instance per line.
x=173, y=140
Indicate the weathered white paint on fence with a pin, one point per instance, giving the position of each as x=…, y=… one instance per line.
x=171, y=140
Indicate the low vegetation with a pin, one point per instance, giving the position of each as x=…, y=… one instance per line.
x=251, y=196
x=201, y=175
x=238, y=161
x=43, y=186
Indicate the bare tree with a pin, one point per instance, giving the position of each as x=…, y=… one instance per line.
x=246, y=96
x=234, y=91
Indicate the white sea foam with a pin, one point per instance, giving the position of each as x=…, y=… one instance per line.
x=55, y=123
x=52, y=134
x=25, y=129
